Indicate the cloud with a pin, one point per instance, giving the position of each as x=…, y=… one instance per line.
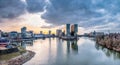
x=96, y=14
x=87, y=13
x=11, y=8
x=34, y=6
x=47, y=26
x=15, y=8
x=66, y=11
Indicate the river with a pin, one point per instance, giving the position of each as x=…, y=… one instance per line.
x=85, y=51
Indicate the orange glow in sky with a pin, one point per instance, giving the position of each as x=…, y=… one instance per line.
x=32, y=21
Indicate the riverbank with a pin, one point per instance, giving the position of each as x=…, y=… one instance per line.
x=111, y=41
x=19, y=60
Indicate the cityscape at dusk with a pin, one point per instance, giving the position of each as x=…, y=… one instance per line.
x=44, y=14
x=59, y=32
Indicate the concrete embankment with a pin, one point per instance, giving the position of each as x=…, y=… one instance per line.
x=19, y=60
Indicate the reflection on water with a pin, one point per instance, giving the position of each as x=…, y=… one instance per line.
x=23, y=43
x=54, y=51
x=108, y=53
x=68, y=46
x=74, y=46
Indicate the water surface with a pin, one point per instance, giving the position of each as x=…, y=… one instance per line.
x=82, y=52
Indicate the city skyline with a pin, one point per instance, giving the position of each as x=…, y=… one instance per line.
x=59, y=32
x=44, y=15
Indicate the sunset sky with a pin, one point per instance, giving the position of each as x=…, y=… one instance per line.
x=36, y=15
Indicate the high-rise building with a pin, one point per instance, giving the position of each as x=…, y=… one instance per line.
x=68, y=29
x=23, y=32
x=76, y=28
x=72, y=28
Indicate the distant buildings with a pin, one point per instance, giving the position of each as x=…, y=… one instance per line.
x=39, y=35
x=13, y=34
x=4, y=34
x=74, y=29
x=0, y=33
x=71, y=30
x=97, y=33
x=58, y=32
x=41, y=32
x=49, y=32
x=19, y=35
x=29, y=34
x=94, y=34
x=25, y=33
x=68, y=29
x=23, y=30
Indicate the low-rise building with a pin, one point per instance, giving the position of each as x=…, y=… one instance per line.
x=13, y=34
x=58, y=32
x=29, y=34
x=96, y=33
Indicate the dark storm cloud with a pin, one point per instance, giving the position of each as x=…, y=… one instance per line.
x=67, y=11
x=87, y=13
x=34, y=6
x=11, y=8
